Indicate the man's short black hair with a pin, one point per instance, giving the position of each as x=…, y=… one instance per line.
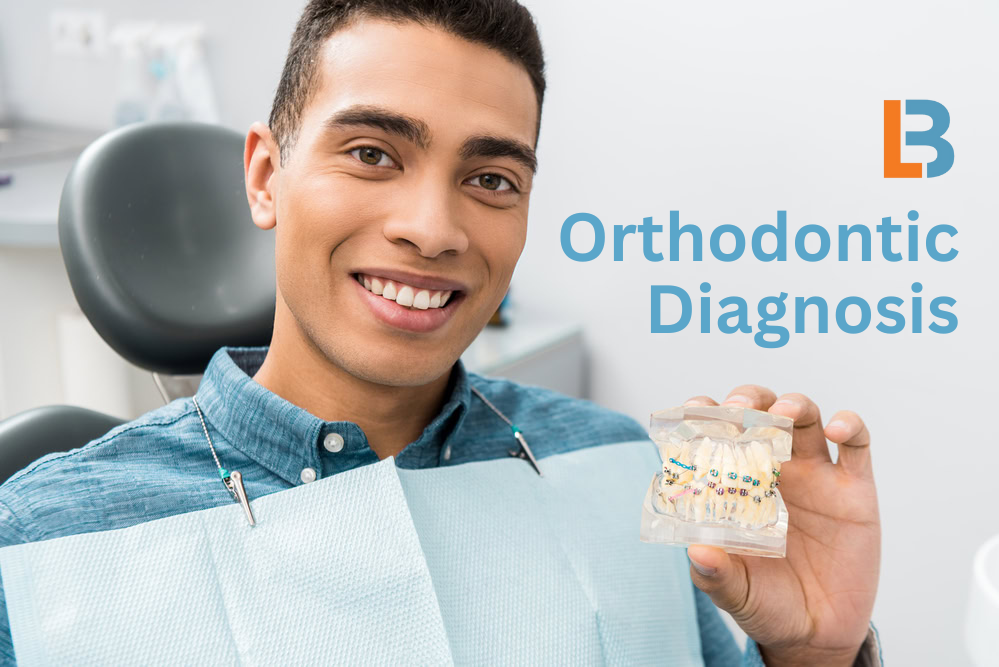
x=503, y=25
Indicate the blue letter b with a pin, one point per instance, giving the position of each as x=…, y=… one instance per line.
x=932, y=137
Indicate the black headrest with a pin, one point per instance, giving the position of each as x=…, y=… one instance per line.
x=161, y=251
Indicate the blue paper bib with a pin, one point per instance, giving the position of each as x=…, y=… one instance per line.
x=481, y=563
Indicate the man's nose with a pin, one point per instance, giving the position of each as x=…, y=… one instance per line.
x=429, y=220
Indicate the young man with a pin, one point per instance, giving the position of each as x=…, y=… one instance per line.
x=396, y=172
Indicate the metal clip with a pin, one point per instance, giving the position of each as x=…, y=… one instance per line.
x=235, y=484
x=525, y=450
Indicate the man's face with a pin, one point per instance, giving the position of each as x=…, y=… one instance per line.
x=410, y=176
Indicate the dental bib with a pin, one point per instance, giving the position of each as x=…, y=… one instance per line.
x=481, y=563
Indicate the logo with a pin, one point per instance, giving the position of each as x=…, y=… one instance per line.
x=933, y=137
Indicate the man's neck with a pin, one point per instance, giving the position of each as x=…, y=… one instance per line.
x=391, y=417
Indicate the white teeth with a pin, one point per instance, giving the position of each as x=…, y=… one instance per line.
x=702, y=460
x=708, y=493
x=685, y=474
x=405, y=296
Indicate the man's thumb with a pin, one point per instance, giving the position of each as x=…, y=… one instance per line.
x=721, y=576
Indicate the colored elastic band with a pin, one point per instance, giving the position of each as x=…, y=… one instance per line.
x=682, y=465
x=682, y=493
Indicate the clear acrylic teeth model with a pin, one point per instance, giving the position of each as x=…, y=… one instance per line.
x=719, y=480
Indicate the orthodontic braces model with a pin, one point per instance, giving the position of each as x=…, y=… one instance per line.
x=719, y=480
x=714, y=481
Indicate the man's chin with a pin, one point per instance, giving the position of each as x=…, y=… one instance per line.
x=403, y=378
x=400, y=370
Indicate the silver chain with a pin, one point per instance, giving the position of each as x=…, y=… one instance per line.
x=214, y=455
x=516, y=431
x=525, y=449
x=490, y=405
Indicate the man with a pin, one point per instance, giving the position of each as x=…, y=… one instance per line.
x=396, y=172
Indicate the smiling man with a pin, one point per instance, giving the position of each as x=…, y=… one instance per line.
x=396, y=172
x=398, y=186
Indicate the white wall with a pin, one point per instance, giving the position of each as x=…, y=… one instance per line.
x=726, y=112
x=246, y=45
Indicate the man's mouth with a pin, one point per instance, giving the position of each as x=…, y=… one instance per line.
x=403, y=294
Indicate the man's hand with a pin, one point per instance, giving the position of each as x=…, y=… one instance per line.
x=814, y=606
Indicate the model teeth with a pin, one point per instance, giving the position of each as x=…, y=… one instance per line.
x=405, y=295
x=729, y=483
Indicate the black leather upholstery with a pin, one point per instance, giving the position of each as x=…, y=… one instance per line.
x=164, y=261
x=161, y=251
x=31, y=434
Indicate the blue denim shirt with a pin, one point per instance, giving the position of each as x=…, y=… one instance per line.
x=160, y=464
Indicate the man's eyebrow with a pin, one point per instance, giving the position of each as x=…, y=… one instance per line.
x=492, y=146
x=393, y=122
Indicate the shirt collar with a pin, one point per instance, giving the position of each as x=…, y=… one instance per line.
x=286, y=439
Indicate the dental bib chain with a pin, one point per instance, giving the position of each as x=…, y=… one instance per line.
x=525, y=450
x=234, y=480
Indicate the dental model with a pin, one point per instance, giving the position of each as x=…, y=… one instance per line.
x=719, y=480
x=708, y=480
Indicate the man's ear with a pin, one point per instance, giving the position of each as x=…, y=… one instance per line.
x=261, y=161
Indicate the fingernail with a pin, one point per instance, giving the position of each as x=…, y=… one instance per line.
x=739, y=398
x=838, y=423
x=786, y=401
x=703, y=570
x=694, y=402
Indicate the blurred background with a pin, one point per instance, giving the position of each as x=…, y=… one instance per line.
x=726, y=112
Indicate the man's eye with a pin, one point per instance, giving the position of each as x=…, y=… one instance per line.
x=493, y=182
x=372, y=156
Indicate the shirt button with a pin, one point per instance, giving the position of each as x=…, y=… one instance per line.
x=308, y=475
x=447, y=453
x=333, y=442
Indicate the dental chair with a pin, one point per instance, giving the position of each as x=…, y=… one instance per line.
x=165, y=262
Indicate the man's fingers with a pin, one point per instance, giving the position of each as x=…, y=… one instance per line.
x=809, y=439
x=850, y=434
x=846, y=429
x=746, y=395
x=700, y=401
x=751, y=396
x=721, y=576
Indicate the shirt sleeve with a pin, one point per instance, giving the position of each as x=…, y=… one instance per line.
x=868, y=656
x=719, y=649
x=11, y=532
